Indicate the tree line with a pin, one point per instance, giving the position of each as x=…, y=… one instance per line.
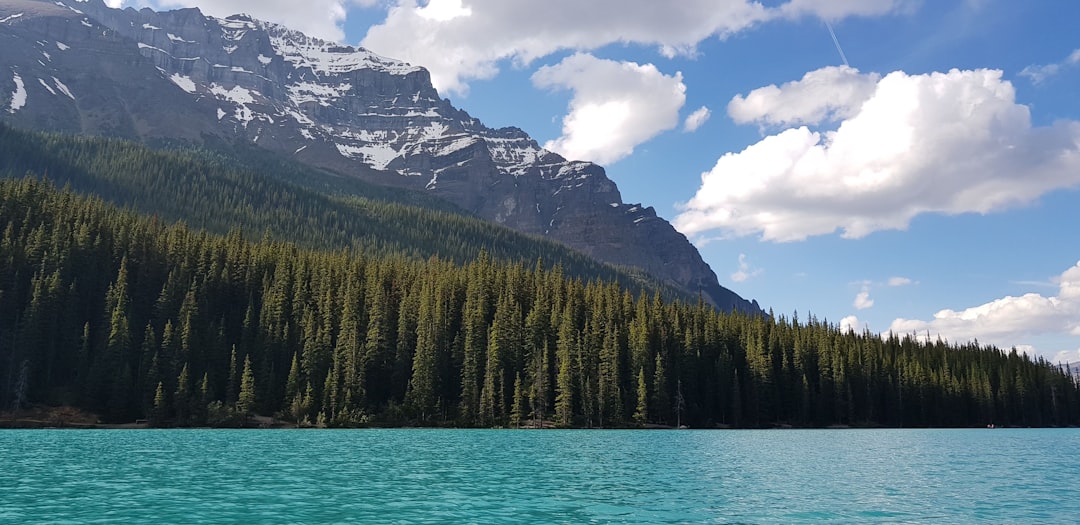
x=132, y=317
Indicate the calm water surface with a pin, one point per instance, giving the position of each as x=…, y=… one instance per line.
x=574, y=476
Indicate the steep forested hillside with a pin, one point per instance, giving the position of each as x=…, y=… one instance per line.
x=131, y=317
x=236, y=187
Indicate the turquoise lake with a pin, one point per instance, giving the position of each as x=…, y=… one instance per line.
x=528, y=476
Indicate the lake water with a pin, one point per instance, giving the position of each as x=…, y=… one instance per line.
x=528, y=476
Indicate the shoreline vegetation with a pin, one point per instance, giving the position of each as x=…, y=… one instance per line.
x=130, y=318
x=71, y=418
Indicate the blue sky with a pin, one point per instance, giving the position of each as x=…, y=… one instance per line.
x=930, y=185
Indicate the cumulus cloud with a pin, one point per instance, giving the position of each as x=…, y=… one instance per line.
x=1038, y=73
x=898, y=281
x=471, y=45
x=863, y=300
x=615, y=106
x=1008, y=321
x=696, y=119
x=849, y=324
x=950, y=143
x=827, y=94
x=744, y=272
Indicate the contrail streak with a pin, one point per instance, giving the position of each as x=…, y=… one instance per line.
x=837, y=43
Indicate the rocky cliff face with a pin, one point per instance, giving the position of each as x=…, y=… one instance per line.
x=79, y=66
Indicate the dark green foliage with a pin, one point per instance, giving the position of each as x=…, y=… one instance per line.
x=235, y=188
x=132, y=318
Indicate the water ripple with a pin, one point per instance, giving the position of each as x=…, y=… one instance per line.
x=492, y=476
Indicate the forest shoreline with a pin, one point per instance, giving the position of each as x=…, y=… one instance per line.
x=69, y=418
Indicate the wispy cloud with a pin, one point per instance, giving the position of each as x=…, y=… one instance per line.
x=696, y=119
x=745, y=271
x=1039, y=73
x=1038, y=284
x=899, y=281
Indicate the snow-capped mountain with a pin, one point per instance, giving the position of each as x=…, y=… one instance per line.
x=80, y=66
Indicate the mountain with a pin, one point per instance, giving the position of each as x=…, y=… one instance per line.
x=262, y=195
x=80, y=66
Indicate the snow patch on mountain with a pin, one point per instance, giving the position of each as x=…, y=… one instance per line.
x=62, y=46
x=76, y=11
x=433, y=131
x=180, y=40
x=63, y=88
x=241, y=97
x=10, y=18
x=185, y=83
x=327, y=58
x=457, y=144
x=303, y=92
x=18, y=97
x=378, y=156
x=47, y=87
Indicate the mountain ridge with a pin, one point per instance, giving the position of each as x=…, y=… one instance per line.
x=182, y=75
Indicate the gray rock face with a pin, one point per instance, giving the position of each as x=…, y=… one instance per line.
x=80, y=66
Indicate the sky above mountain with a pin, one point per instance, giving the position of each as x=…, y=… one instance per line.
x=897, y=165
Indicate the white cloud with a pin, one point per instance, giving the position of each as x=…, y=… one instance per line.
x=745, y=272
x=443, y=10
x=1038, y=73
x=615, y=106
x=696, y=119
x=1008, y=321
x=863, y=300
x=849, y=324
x=483, y=33
x=828, y=94
x=949, y=143
x=899, y=281
x=1068, y=356
x=837, y=9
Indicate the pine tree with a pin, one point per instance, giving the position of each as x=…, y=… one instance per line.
x=161, y=407
x=233, y=387
x=292, y=384
x=517, y=410
x=422, y=386
x=641, y=414
x=661, y=404
x=564, y=381
x=245, y=403
x=182, y=396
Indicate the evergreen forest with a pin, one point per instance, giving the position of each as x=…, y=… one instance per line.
x=222, y=187
x=137, y=316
